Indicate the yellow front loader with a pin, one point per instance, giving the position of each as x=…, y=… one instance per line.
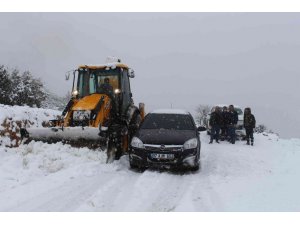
x=101, y=111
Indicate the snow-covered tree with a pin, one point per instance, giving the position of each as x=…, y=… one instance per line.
x=34, y=89
x=5, y=86
x=26, y=90
x=201, y=113
x=54, y=101
x=17, y=88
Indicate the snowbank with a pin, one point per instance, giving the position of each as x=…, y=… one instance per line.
x=12, y=118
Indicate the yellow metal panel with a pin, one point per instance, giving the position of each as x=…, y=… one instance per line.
x=88, y=102
x=68, y=116
x=104, y=112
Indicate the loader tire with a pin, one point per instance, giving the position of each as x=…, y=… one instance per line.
x=132, y=166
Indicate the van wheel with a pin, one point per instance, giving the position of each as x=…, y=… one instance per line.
x=195, y=168
x=132, y=166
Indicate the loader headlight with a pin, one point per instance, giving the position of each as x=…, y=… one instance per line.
x=117, y=91
x=189, y=144
x=80, y=115
x=137, y=143
x=75, y=93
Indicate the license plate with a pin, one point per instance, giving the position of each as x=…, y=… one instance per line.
x=162, y=156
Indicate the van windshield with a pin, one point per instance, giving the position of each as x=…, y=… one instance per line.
x=239, y=111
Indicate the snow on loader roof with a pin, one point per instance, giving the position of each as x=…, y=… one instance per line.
x=102, y=66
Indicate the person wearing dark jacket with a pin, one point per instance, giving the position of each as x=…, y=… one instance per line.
x=224, y=127
x=215, y=122
x=232, y=122
x=106, y=87
x=249, y=124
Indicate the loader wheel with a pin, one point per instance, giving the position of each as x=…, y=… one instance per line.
x=132, y=166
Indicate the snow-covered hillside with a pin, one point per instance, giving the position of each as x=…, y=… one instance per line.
x=57, y=177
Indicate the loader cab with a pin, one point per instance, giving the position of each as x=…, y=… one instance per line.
x=92, y=79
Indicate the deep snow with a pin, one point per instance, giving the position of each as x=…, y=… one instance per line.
x=57, y=177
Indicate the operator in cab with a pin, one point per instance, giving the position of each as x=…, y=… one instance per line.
x=106, y=87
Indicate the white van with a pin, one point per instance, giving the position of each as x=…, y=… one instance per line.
x=240, y=130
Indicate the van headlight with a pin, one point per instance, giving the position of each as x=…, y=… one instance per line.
x=137, y=143
x=189, y=144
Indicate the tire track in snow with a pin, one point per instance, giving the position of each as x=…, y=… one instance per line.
x=108, y=197
x=170, y=194
x=128, y=191
x=65, y=196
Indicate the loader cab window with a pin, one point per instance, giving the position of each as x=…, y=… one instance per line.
x=89, y=81
x=92, y=84
x=83, y=84
x=126, y=90
x=111, y=80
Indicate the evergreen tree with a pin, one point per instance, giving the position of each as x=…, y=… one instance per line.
x=17, y=88
x=5, y=86
x=27, y=90
x=33, y=90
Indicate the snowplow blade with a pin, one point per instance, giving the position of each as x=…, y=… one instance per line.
x=81, y=136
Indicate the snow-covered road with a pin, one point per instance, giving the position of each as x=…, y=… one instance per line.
x=45, y=177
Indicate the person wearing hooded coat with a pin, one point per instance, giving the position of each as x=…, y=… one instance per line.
x=232, y=122
x=249, y=125
x=224, y=127
x=215, y=122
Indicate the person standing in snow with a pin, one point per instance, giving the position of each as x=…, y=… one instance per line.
x=224, y=127
x=232, y=122
x=215, y=122
x=249, y=124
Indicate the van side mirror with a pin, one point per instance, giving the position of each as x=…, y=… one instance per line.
x=201, y=128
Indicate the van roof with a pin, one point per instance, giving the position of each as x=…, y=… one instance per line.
x=170, y=111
